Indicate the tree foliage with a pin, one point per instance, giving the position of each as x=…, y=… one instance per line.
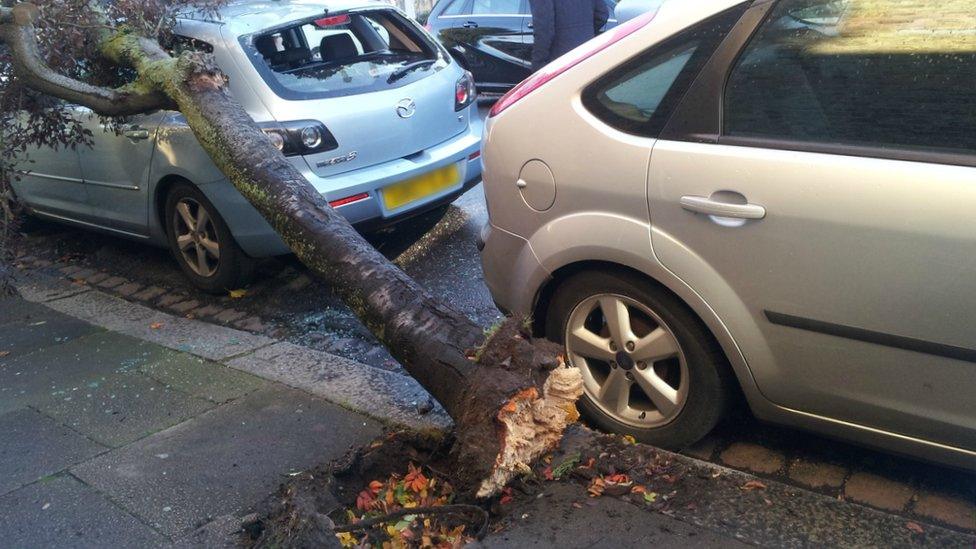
x=68, y=34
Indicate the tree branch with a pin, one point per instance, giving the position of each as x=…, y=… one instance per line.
x=18, y=33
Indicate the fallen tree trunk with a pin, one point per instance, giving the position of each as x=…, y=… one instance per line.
x=511, y=397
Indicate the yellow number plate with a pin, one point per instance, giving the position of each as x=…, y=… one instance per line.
x=411, y=190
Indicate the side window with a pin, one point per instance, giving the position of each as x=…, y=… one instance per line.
x=454, y=8
x=639, y=95
x=494, y=7
x=877, y=73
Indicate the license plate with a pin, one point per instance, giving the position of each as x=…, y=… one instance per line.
x=403, y=193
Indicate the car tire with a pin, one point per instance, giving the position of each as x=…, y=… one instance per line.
x=230, y=269
x=700, y=362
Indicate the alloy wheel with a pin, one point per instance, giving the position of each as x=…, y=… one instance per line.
x=196, y=237
x=633, y=367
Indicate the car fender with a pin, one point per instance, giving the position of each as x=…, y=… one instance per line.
x=583, y=237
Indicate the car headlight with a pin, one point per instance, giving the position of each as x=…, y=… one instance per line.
x=465, y=91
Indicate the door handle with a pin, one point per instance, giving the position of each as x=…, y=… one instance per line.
x=470, y=25
x=531, y=26
x=135, y=132
x=703, y=205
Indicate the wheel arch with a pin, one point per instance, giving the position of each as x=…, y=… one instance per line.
x=160, y=193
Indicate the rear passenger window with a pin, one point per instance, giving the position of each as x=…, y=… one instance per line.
x=878, y=73
x=494, y=7
x=343, y=54
x=454, y=8
x=639, y=96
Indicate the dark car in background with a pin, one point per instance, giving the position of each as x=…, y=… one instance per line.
x=491, y=38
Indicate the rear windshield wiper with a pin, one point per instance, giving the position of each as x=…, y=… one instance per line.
x=402, y=71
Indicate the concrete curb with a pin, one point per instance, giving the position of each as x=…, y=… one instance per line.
x=386, y=396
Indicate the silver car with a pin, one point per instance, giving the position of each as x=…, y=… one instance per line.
x=769, y=198
x=372, y=111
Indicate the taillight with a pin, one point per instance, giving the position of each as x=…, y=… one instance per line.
x=300, y=137
x=332, y=21
x=464, y=91
x=569, y=61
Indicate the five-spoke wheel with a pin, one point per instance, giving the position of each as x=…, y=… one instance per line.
x=650, y=368
x=632, y=364
x=201, y=242
x=196, y=237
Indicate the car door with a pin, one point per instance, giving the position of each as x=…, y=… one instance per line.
x=831, y=221
x=50, y=181
x=116, y=171
x=490, y=35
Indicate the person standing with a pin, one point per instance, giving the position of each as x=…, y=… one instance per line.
x=561, y=25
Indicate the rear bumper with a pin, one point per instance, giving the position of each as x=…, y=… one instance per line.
x=511, y=269
x=258, y=239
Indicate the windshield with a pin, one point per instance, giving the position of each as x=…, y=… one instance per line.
x=342, y=54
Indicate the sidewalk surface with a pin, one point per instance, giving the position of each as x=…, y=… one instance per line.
x=112, y=441
x=121, y=426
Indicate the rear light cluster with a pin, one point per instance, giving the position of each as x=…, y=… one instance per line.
x=300, y=137
x=464, y=91
x=569, y=61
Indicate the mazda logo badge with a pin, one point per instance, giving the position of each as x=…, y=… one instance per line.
x=405, y=108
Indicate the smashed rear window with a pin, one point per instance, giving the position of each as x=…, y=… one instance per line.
x=343, y=54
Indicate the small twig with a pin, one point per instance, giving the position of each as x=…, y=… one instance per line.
x=86, y=27
x=440, y=509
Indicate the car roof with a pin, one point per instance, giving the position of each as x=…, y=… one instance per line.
x=247, y=16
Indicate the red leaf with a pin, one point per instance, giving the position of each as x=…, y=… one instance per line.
x=753, y=485
x=915, y=527
x=506, y=496
x=365, y=500
x=415, y=480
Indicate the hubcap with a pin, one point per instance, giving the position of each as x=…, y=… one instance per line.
x=196, y=237
x=633, y=367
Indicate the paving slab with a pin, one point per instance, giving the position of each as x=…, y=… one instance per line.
x=553, y=521
x=18, y=309
x=182, y=334
x=33, y=446
x=202, y=378
x=63, y=512
x=67, y=368
x=123, y=407
x=220, y=533
x=225, y=460
x=30, y=334
x=371, y=391
x=877, y=491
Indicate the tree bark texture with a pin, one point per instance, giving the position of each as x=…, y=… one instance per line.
x=507, y=407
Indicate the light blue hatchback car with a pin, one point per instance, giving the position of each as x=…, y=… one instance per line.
x=373, y=112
